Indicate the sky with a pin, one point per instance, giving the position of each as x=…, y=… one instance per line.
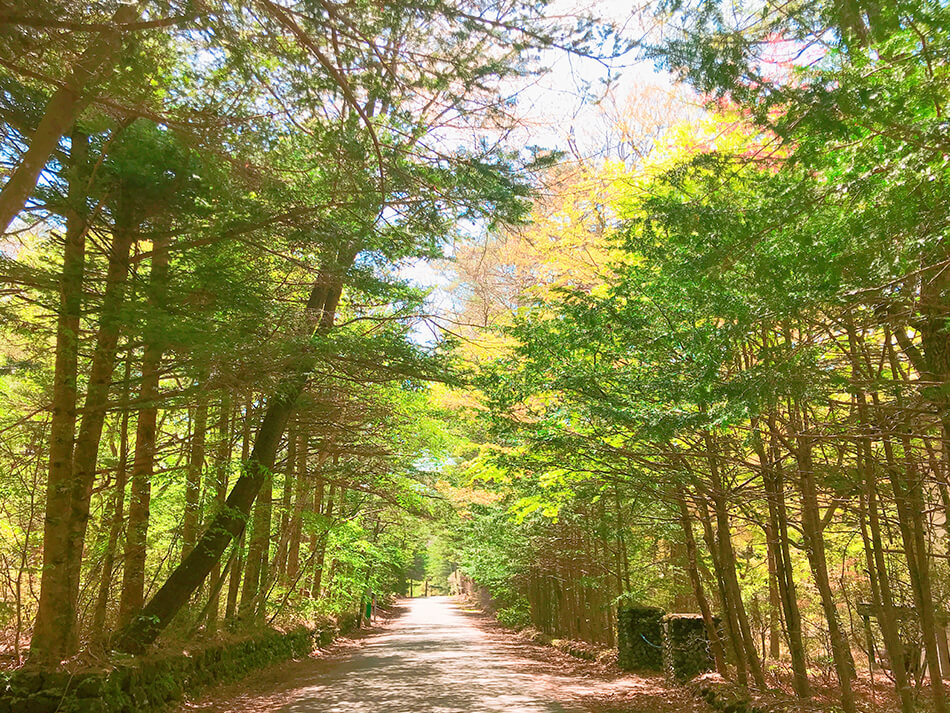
x=559, y=111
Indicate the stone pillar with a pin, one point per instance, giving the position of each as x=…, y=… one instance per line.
x=639, y=638
x=686, y=651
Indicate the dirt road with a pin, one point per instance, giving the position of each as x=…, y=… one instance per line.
x=436, y=658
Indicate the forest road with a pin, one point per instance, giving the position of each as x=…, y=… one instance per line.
x=435, y=656
x=432, y=659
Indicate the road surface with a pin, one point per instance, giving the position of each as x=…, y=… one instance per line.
x=431, y=659
x=435, y=657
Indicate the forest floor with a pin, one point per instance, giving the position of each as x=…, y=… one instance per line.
x=432, y=656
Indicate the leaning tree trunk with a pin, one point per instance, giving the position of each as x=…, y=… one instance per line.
x=93, y=66
x=230, y=522
x=692, y=557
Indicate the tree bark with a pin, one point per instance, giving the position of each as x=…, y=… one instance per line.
x=286, y=501
x=318, y=542
x=54, y=637
x=118, y=509
x=222, y=458
x=237, y=568
x=143, y=464
x=230, y=523
x=773, y=480
x=728, y=610
x=93, y=66
x=258, y=549
x=727, y=560
x=815, y=550
x=692, y=557
x=196, y=459
x=55, y=629
x=300, y=501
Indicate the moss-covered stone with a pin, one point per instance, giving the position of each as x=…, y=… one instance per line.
x=150, y=684
x=686, y=651
x=639, y=638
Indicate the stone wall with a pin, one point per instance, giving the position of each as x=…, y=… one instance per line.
x=649, y=639
x=151, y=683
x=639, y=638
x=685, y=647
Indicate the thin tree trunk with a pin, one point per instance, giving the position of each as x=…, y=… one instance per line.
x=775, y=623
x=692, y=557
x=727, y=560
x=258, y=546
x=189, y=527
x=815, y=550
x=728, y=610
x=222, y=458
x=300, y=502
x=143, y=464
x=318, y=543
x=283, y=528
x=882, y=600
x=237, y=569
x=909, y=501
x=118, y=509
x=881, y=596
x=773, y=479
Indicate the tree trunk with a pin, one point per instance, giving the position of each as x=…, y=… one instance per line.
x=237, y=568
x=815, y=550
x=692, y=556
x=728, y=610
x=118, y=509
x=258, y=549
x=775, y=623
x=318, y=542
x=189, y=527
x=133, y=574
x=300, y=502
x=54, y=637
x=283, y=528
x=908, y=497
x=93, y=66
x=222, y=458
x=55, y=630
x=882, y=600
x=773, y=479
x=881, y=596
x=230, y=523
x=727, y=560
